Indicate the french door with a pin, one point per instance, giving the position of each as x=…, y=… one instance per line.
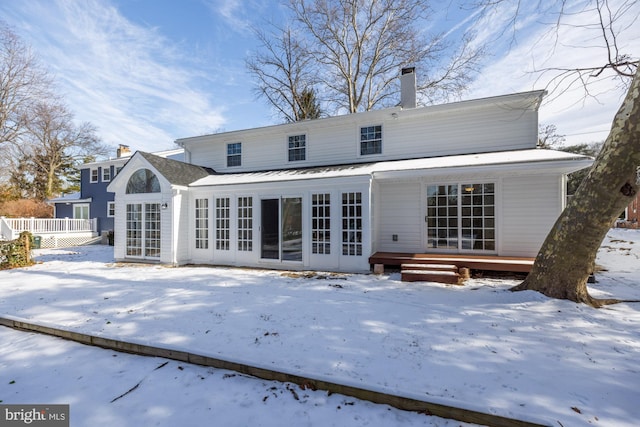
x=281, y=230
x=461, y=217
x=143, y=230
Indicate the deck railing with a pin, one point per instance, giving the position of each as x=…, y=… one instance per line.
x=10, y=228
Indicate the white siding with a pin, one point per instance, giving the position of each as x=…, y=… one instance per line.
x=530, y=207
x=399, y=212
x=181, y=225
x=500, y=124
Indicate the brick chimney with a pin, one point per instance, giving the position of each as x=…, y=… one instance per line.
x=123, y=151
x=408, y=88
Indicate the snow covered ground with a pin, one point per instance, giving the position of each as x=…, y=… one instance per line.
x=478, y=346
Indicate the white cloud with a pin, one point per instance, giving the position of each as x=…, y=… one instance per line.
x=136, y=86
x=540, y=45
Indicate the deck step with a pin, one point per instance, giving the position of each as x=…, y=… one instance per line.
x=429, y=266
x=449, y=277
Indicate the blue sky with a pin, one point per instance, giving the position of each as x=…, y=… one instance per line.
x=147, y=72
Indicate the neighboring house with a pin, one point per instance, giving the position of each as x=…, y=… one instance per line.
x=93, y=200
x=459, y=178
x=631, y=215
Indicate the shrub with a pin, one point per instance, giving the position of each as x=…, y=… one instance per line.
x=26, y=208
x=16, y=253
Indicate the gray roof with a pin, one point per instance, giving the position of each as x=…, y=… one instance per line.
x=176, y=172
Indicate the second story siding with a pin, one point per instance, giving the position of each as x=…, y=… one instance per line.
x=502, y=123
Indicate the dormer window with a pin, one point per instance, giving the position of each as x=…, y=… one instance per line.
x=371, y=140
x=297, y=148
x=234, y=154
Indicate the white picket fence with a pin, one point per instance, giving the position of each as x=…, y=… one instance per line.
x=54, y=232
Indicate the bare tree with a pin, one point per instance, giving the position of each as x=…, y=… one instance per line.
x=548, y=136
x=52, y=147
x=355, y=49
x=567, y=256
x=23, y=81
x=284, y=74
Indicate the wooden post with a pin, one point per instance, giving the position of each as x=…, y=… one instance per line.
x=27, y=247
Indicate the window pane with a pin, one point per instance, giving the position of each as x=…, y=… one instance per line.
x=352, y=224
x=321, y=224
x=371, y=140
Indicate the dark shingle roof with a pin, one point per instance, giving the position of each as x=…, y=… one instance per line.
x=176, y=172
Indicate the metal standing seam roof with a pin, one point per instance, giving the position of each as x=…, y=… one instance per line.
x=360, y=169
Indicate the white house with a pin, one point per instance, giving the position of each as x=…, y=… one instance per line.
x=325, y=194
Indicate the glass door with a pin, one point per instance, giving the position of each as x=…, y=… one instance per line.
x=461, y=217
x=292, y=229
x=281, y=231
x=270, y=229
x=442, y=217
x=143, y=230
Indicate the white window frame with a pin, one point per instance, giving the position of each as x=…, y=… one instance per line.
x=297, y=144
x=465, y=220
x=81, y=205
x=111, y=209
x=234, y=155
x=201, y=223
x=370, y=140
x=106, y=174
x=321, y=223
x=245, y=211
x=94, y=175
x=352, y=223
x=223, y=223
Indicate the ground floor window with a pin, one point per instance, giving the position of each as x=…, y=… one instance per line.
x=461, y=216
x=152, y=230
x=80, y=211
x=321, y=224
x=202, y=223
x=143, y=230
x=245, y=223
x=223, y=224
x=134, y=229
x=352, y=223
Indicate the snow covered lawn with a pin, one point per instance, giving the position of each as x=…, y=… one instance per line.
x=478, y=346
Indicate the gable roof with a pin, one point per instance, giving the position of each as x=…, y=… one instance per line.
x=176, y=172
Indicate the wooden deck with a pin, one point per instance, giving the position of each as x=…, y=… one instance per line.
x=473, y=262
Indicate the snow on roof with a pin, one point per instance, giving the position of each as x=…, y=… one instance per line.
x=71, y=197
x=519, y=157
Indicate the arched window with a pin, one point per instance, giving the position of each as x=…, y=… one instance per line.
x=143, y=181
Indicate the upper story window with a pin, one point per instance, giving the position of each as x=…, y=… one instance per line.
x=297, y=148
x=234, y=154
x=106, y=174
x=143, y=181
x=371, y=140
x=94, y=175
x=118, y=169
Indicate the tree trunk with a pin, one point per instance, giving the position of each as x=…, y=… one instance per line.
x=567, y=256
